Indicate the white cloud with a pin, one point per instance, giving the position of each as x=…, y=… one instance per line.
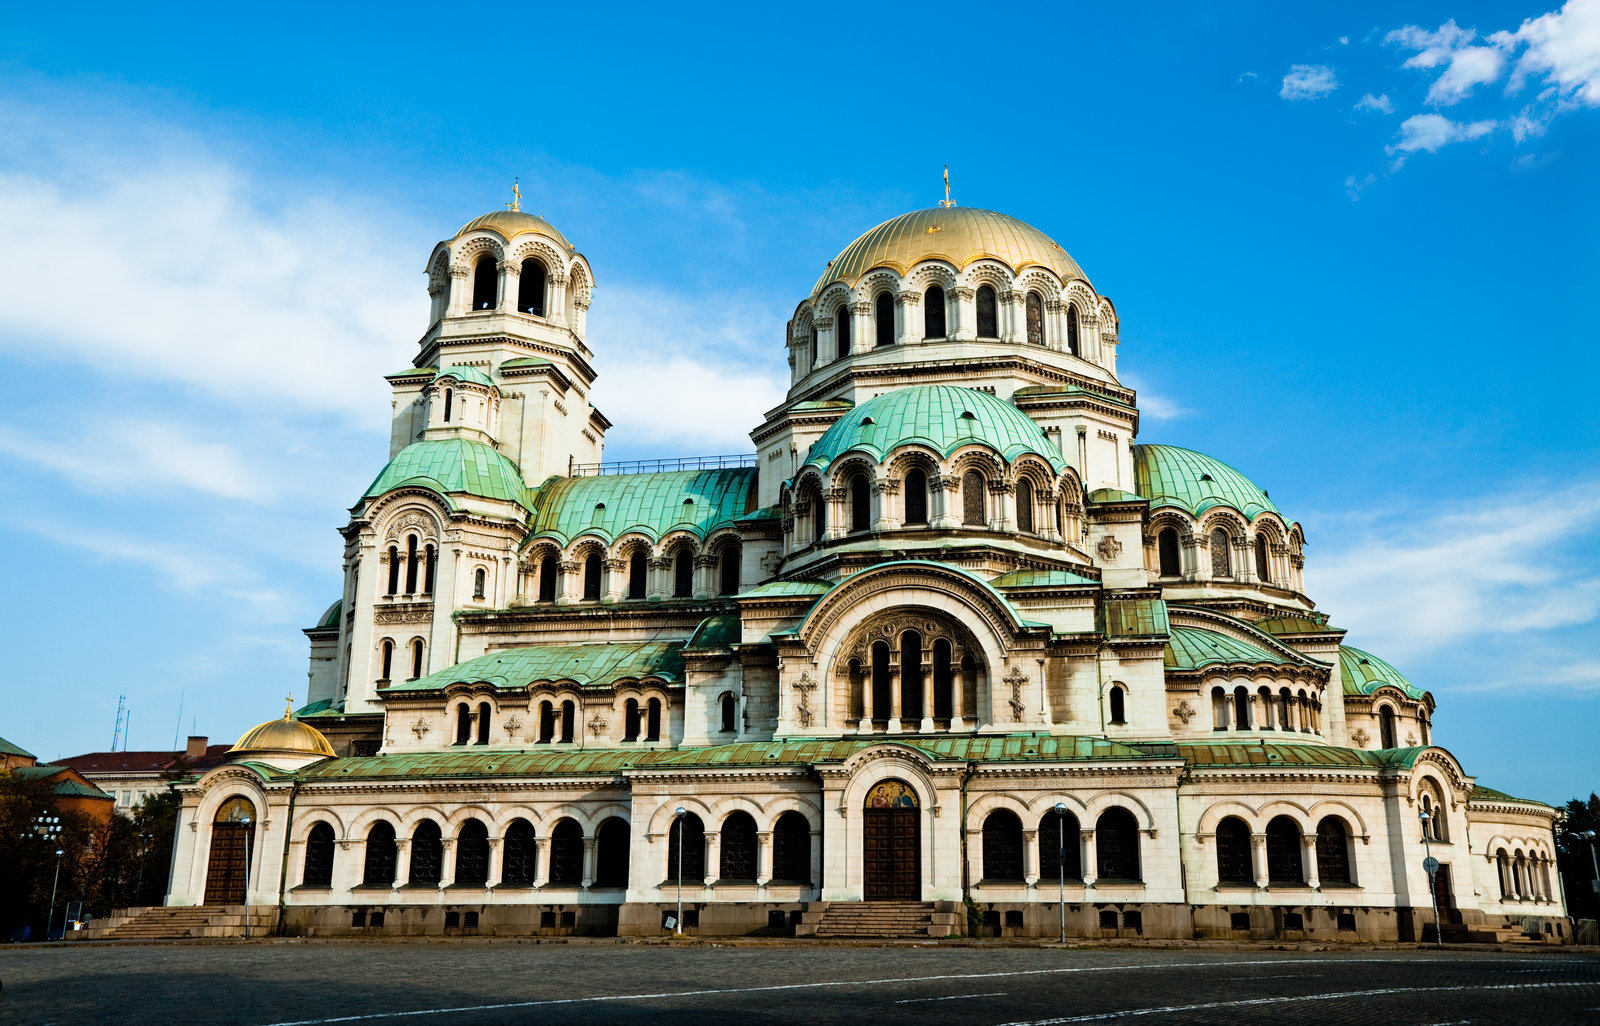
x=1433, y=48
x=1154, y=405
x=1354, y=187
x=1465, y=66
x=1428, y=132
x=142, y=456
x=1409, y=583
x=1308, y=82
x=1344, y=40
x=1378, y=103
x=1563, y=46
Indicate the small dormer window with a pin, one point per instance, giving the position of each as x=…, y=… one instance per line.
x=968, y=415
x=1206, y=477
x=866, y=420
x=449, y=398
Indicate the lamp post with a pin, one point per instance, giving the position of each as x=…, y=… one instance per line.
x=1431, y=867
x=679, y=814
x=50, y=924
x=1061, y=867
x=245, y=822
x=144, y=852
x=1594, y=884
x=47, y=827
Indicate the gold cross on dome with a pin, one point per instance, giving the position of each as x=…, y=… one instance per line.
x=947, y=201
x=288, y=706
x=516, y=194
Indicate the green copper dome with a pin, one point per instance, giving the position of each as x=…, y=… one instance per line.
x=1364, y=673
x=468, y=374
x=452, y=466
x=942, y=417
x=1192, y=481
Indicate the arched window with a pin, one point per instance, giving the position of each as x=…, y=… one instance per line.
x=630, y=720
x=427, y=854
x=591, y=577
x=1438, y=827
x=519, y=863
x=791, y=849
x=729, y=564
x=841, y=320
x=974, y=505
x=566, y=854
x=1233, y=852
x=1118, y=705
x=738, y=848
x=933, y=313
x=1286, y=709
x=569, y=716
x=472, y=854
x=1333, y=851
x=449, y=400
x=479, y=579
x=637, y=568
x=381, y=852
x=1059, y=853
x=883, y=315
x=1219, y=709
x=1386, y=727
x=1167, y=551
x=1241, y=707
x=1072, y=330
x=547, y=578
x=484, y=283
x=1025, y=505
x=1503, y=863
x=611, y=853
x=730, y=713
x=916, y=486
x=411, y=565
x=319, y=857
x=1116, y=837
x=1221, y=564
x=819, y=505
x=943, y=680
x=911, y=676
x=1262, y=573
x=394, y=571
x=652, y=724
x=1035, y=309
x=431, y=565
x=485, y=718
x=547, y=723
x=1283, y=852
x=530, y=288
x=860, y=503
x=882, y=686
x=988, y=313
x=693, y=834
x=1002, y=846
x=1265, y=696
x=388, y=659
x=416, y=658
x=463, y=723
x=683, y=574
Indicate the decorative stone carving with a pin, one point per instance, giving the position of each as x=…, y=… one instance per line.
x=1184, y=711
x=803, y=687
x=513, y=725
x=1016, y=678
x=1360, y=737
x=598, y=724
x=1411, y=739
x=421, y=728
x=422, y=613
x=1109, y=548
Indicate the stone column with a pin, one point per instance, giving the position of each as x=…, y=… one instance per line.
x=940, y=488
x=896, y=699
x=826, y=343
x=580, y=314
x=1258, y=859
x=838, y=512
x=1089, y=857
x=659, y=583
x=713, y=856
x=910, y=327
x=447, y=864
x=569, y=582
x=510, y=280
x=705, y=573
x=816, y=861
x=763, y=858
x=862, y=335
x=555, y=310
x=402, y=861
x=541, y=861
x=958, y=696
x=349, y=865
x=495, y=865
x=1013, y=323
x=1055, y=325
x=1005, y=518
x=460, y=291
x=1308, y=860
x=616, y=580
x=963, y=315
x=1030, y=856
x=591, y=846
x=886, y=492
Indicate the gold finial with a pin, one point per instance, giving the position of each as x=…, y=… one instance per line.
x=516, y=194
x=288, y=706
x=948, y=202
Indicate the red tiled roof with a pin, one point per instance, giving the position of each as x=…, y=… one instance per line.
x=141, y=762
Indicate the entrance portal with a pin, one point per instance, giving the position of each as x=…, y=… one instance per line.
x=233, y=833
x=892, y=841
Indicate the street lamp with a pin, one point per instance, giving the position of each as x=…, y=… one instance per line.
x=679, y=815
x=144, y=853
x=1431, y=866
x=1588, y=835
x=50, y=924
x=1061, y=865
x=47, y=827
x=245, y=822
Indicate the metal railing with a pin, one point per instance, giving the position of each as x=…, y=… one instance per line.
x=661, y=466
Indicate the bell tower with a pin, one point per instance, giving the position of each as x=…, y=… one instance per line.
x=505, y=347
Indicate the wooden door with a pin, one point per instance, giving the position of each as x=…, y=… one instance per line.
x=225, y=872
x=1445, y=892
x=893, y=854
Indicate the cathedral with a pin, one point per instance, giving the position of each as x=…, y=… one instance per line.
x=950, y=653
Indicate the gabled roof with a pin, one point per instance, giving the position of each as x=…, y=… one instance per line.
x=1192, y=481
x=69, y=783
x=597, y=665
x=1131, y=617
x=1190, y=648
x=941, y=417
x=453, y=466
x=611, y=505
x=715, y=632
x=7, y=748
x=1364, y=673
x=141, y=762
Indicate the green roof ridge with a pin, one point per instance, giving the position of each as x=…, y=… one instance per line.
x=453, y=466
x=612, y=505
x=941, y=417
x=598, y=664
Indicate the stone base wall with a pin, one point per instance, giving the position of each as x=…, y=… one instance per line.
x=451, y=920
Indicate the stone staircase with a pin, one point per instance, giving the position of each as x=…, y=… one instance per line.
x=178, y=922
x=847, y=919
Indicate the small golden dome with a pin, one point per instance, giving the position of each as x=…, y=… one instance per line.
x=958, y=235
x=508, y=224
x=287, y=736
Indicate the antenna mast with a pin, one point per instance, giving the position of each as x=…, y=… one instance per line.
x=116, y=732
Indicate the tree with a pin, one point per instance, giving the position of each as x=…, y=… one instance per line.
x=1573, y=858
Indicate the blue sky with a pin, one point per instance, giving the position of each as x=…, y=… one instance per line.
x=1353, y=254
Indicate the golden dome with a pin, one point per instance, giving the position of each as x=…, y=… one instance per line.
x=508, y=224
x=958, y=235
x=287, y=736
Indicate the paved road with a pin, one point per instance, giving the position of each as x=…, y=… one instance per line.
x=318, y=984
